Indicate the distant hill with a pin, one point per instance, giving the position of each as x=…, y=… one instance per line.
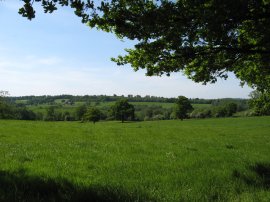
x=70, y=99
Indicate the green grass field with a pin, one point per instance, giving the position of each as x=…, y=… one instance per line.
x=192, y=160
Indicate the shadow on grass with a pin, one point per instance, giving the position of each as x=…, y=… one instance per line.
x=259, y=177
x=18, y=186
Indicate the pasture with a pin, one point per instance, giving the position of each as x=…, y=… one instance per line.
x=193, y=160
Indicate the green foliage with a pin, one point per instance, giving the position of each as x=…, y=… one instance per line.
x=92, y=114
x=260, y=103
x=182, y=107
x=219, y=111
x=122, y=110
x=101, y=100
x=196, y=160
x=203, y=39
x=67, y=116
x=231, y=108
x=24, y=114
x=201, y=113
x=80, y=111
x=6, y=110
x=72, y=108
x=51, y=114
x=225, y=110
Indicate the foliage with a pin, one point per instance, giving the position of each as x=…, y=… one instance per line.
x=158, y=117
x=92, y=114
x=201, y=113
x=219, y=111
x=204, y=39
x=72, y=108
x=98, y=99
x=3, y=94
x=9, y=111
x=5, y=110
x=182, y=107
x=67, y=116
x=225, y=110
x=242, y=104
x=260, y=102
x=24, y=114
x=50, y=114
x=80, y=111
x=231, y=108
x=122, y=110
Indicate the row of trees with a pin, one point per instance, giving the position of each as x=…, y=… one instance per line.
x=226, y=110
x=8, y=111
x=121, y=110
x=71, y=99
x=124, y=111
x=183, y=109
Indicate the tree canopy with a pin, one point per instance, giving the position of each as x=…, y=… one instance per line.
x=122, y=110
x=182, y=107
x=203, y=39
x=260, y=102
x=92, y=114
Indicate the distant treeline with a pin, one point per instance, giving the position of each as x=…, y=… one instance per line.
x=47, y=99
x=76, y=108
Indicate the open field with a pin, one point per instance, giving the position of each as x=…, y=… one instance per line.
x=193, y=160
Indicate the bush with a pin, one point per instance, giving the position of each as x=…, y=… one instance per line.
x=219, y=112
x=92, y=114
x=24, y=114
x=200, y=113
x=230, y=108
x=158, y=117
x=260, y=103
x=147, y=118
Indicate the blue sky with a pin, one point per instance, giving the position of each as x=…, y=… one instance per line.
x=56, y=54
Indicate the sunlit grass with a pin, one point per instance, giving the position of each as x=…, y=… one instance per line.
x=193, y=160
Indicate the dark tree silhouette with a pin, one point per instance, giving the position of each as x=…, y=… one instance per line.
x=182, y=107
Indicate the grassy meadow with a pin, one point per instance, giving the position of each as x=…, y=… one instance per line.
x=193, y=160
